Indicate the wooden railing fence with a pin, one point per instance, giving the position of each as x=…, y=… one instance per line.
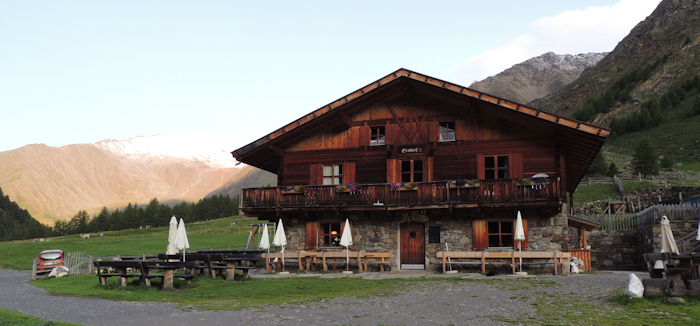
x=652, y=215
x=617, y=222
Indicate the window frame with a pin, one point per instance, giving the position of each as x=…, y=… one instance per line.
x=412, y=170
x=497, y=168
x=326, y=234
x=450, y=132
x=377, y=136
x=336, y=178
x=501, y=234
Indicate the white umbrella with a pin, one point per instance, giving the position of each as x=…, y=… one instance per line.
x=668, y=242
x=181, y=242
x=519, y=236
x=265, y=240
x=280, y=239
x=698, y=237
x=346, y=241
x=171, y=250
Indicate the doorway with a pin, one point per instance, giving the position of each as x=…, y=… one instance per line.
x=412, y=254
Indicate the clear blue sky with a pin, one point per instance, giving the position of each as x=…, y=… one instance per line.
x=84, y=71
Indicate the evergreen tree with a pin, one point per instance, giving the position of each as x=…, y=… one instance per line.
x=612, y=170
x=645, y=160
x=666, y=162
x=598, y=166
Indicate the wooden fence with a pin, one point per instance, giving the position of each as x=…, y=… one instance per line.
x=652, y=215
x=616, y=222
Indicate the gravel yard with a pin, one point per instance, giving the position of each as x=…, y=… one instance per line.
x=510, y=301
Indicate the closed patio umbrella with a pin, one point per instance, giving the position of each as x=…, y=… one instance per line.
x=519, y=236
x=280, y=239
x=265, y=240
x=668, y=242
x=181, y=242
x=346, y=241
x=171, y=250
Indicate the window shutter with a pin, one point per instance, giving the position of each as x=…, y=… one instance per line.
x=316, y=174
x=365, y=133
x=311, y=235
x=393, y=171
x=516, y=165
x=480, y=234
x=348, y=172
x=525, y=243
x=480, y=174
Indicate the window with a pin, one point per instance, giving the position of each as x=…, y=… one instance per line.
x=378, y=136
x=333, y=174
x=329, y=234
x=500, y=233
x=447, y=131
x=496, y=167
x=412, y=171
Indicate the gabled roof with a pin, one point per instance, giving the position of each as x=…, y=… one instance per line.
x=586, y=139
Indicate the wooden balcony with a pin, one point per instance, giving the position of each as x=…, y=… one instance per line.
x=426, y=195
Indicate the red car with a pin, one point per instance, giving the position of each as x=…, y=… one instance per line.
x=49, y=259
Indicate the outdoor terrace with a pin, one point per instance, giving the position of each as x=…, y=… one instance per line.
x=423, y=195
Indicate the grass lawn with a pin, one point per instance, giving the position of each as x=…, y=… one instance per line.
x=202, y=235
x=9, y=317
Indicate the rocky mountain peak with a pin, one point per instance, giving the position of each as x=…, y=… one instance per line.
x=537, y=77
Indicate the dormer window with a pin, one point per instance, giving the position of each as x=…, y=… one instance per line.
x=378, y=136
x=447, y=131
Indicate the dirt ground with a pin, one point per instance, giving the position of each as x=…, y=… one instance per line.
x=463, y=303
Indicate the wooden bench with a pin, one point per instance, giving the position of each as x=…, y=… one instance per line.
x=295, y=257
x=376, y=258
x=143, y=270
x=509, y=257
x=344, y=256
x=123, y=269
x=673, y=267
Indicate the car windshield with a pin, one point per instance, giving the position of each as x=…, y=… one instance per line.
x=50, y=255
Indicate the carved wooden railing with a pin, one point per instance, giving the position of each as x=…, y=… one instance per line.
x=425, y=193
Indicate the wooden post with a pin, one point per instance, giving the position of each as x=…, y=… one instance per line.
x=34, y=269
x=168, y=278
x=90, y=264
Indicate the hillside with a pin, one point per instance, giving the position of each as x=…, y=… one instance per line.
x=646, y=87
x=672, y=29
x=537, y=77
x=55, y=183
x=249, y=177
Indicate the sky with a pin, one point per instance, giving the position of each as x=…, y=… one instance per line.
x=230, y=72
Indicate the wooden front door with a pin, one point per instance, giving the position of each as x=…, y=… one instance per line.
x=412, y=245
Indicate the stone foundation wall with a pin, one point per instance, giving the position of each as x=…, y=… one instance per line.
x=623, y=250
x=380, y=231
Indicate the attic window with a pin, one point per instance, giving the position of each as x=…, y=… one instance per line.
x=447, y=131
x=378, y=136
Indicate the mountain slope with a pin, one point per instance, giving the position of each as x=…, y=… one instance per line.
x=55, y=183
x=673, y=29
x=249, y=177
x=537, y=77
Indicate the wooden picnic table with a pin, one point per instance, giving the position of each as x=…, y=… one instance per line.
x=142, y=269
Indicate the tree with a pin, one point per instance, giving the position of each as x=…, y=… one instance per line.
x=666, y=162
x=645, y=160
x=612, y=170
x=598, y=166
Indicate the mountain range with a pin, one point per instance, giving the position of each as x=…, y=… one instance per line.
x=55, y=183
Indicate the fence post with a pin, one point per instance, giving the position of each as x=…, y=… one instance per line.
x=34, y=269
x=90, y=264
x=68, y=263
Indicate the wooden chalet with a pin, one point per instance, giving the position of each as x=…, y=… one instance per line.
x=415, y=163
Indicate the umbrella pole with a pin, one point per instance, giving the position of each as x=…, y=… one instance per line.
x=283, y=258
x=347, y=259
x=520, y=249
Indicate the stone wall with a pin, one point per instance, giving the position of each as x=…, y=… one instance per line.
x=623, y=250
x=380, y=231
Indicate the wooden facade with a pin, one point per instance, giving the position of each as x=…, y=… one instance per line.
x=410, y=150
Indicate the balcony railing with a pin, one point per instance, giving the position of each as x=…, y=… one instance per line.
x=438, y=193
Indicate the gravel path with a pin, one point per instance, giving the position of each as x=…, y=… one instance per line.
x=463, y=303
